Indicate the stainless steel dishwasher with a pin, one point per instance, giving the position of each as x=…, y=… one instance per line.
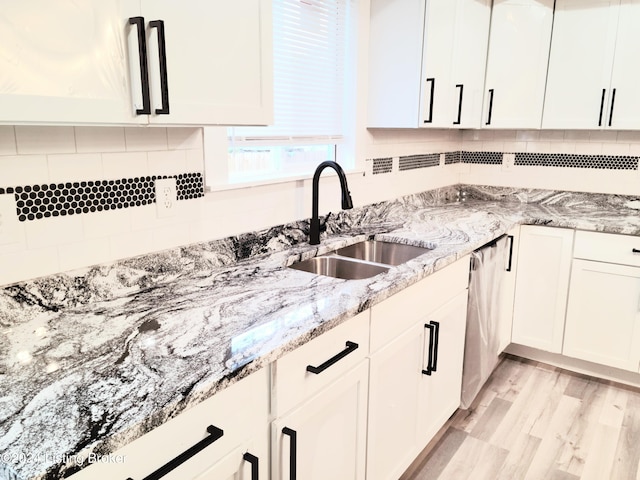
x=488, y=264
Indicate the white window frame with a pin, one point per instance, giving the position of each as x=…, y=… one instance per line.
x=217, y=142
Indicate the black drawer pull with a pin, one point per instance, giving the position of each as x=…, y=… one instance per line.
x=432, y=81
x=604, y=93
x=635, y=250
x=144, y=69
x=457, y=122
x=490, y=107
x=214, y=434
x=255, y=464
x=434, y=334
x=510, y=237
x=293, y=453
x=162, y=59
x=351, y=347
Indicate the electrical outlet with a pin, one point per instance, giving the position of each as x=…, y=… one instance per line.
x=166, y=197
x=508, y=162
x=9, y=224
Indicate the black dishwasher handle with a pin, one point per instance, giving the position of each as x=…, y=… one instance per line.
x=350, y=348
x=215, y=433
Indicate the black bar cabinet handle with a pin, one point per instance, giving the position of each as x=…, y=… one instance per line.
x=604, y=92
x=432, y=81
x=613, y=99
x=215, y=433
x=255, y=464
x=510, y=237
x=635, y=250
x=490, y=106
x=350, y=347
x=293, y=435
x=144, y=69
x=436, y=339
x=432, y=330
x=457, y=122
x=162, y=57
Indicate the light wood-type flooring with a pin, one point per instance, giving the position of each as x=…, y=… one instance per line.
x=537, y=422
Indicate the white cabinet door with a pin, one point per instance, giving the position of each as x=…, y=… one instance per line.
x=471, y=41
x=544, y=265
x=427, y=62
x=325, y=437
x=218, y=60
x=624, y=108
x=508, y=289
x=394, y=404
x=67, y=62
x=440, y=386
x=603, y=314
x=582, y=51
x=517, y=63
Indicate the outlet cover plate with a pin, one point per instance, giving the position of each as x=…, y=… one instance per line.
x=10, y=231
x=166, y=197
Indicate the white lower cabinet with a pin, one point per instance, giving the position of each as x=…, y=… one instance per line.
x=440, y=390
x=319, y=401
x=416, y=372
x=325, y=437
x=544, y=265
x=603, y=312
x=508, y=289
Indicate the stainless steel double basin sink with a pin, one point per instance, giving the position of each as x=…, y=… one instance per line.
x=360, y=260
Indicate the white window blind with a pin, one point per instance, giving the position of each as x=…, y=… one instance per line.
x=309, y=53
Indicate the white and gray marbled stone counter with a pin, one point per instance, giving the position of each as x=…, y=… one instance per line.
x=92, y=359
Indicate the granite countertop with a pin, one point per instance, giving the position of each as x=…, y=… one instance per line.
x=92, y=359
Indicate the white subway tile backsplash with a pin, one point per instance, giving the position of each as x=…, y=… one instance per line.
x=145, y=139
x=184, y=138
x=123, y=165
x=603, y=136
x=27, y=264
x=44, y=140
x=23, y=170
x=84, y=253
x=167, y=162
x=576, y=135
x=131, y=244
x=100, y=139
x=551, y=135
x=7, y=140
x=72, y=167
x=106, y=223
x=527, y=135
x=195, y=160
x=591, y=148
x=53, y=231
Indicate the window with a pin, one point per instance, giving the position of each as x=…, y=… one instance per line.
x=311, y=58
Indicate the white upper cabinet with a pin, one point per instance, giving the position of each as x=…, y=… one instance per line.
x=593, y=74
x=426, y=62
x=218, y=69
x=135, y=62
x=66, y=62
x=517, y=63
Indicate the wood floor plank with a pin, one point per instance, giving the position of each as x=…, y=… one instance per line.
x=544, y=461
x=494, y=414
x=602, y=453
x=439, y=458
x=614, y=406
x=475, y=460
x=628, y=451
x=519, y=459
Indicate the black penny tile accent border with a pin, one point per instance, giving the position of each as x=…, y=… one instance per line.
x=452, y=157
x=382, y=165
x=488, y=158
x=411, y=162
x=34, y=202
x=608, y=162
